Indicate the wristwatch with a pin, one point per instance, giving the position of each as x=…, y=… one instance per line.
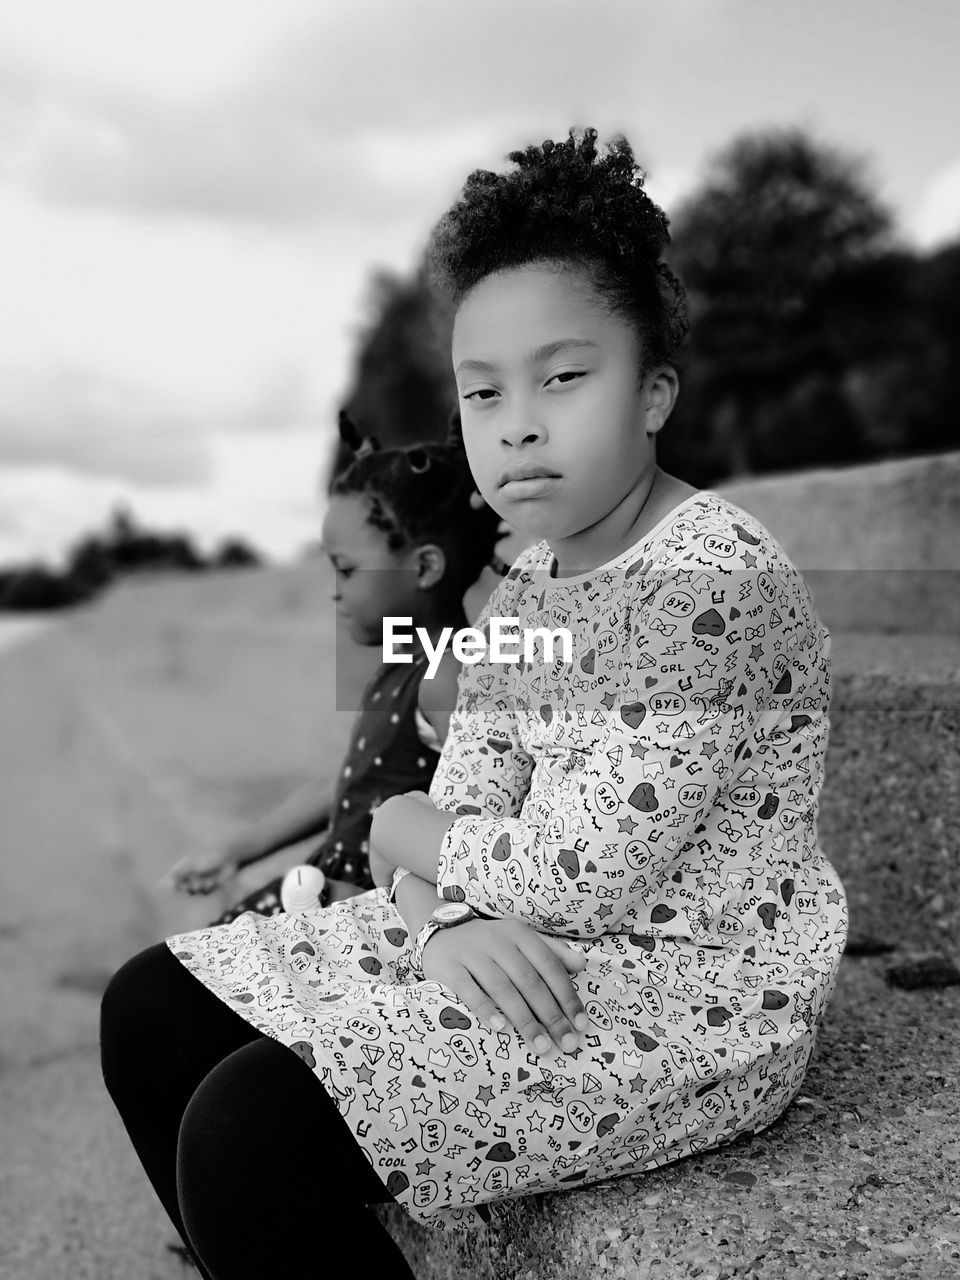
x=446, y=916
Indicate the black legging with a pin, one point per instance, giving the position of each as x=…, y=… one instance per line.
x=248, y=1154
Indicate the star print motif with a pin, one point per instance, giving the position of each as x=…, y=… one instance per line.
x=584, y=791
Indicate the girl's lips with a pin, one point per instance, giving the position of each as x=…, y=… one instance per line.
x=532, y=487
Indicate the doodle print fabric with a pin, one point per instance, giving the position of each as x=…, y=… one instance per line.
x=655, y=804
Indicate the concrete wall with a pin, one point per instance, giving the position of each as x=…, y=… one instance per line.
x=879, y=544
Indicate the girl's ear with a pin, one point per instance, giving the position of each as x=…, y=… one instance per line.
x=431, y=565
x=661, y=387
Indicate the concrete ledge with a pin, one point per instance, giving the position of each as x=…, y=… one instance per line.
x=890, y=809
x=854, y=1181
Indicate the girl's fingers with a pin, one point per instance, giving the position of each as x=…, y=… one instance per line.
x=421, y=796
x=510, y=1001
x=573, y=959
x=475, y=998
x=549, y=961
x=539, y=1017
x=545, y=986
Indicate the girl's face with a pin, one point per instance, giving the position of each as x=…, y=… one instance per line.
x=557, y=423
x=370, y=582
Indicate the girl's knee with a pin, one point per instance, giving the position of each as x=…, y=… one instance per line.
x=231, y=1115
x=128, y=1006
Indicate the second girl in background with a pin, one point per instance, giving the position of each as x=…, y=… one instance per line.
x=406, y=537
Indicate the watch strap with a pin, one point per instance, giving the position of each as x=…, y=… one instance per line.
x=398, y=875
x=428, y=929
x=423, y=937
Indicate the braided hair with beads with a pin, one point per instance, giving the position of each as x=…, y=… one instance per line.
x=423, y=493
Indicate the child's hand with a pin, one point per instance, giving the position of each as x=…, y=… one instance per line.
x=421, y=796
x=505, y=971
x=204, y=873
x=381, y=868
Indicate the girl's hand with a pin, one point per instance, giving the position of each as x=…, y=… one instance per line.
x=204, y=873
x=381, y=868
x=507, y=972
x=421, y=796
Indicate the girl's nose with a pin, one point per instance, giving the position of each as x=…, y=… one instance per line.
x=521, y=427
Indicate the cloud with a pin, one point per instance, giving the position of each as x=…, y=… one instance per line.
x=265, y=487
x=936, y=219
x=354, y=116
x=99, y=426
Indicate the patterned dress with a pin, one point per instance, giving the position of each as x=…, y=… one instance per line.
x=655, y=804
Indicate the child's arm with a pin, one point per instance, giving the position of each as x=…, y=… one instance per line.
x=500, y=967
x=438, y=697
x=584, y=863
x=303, y=814
x=407, y=831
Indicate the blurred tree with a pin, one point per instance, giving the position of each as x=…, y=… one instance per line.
x=35, y=587
x=134, y=549
x=402, y=388
x=778, y=219
x=235, y=553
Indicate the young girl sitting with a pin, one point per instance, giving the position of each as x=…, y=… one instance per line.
x=405, y=536
x=610, y=933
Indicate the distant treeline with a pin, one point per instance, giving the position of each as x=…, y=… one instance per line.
x=125, y=549
x=817, y=338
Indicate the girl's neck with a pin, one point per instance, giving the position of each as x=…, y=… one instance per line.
x=639, y=512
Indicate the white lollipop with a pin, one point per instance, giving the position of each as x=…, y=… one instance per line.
x=301, y=888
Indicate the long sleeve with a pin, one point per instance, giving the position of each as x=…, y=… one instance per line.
x=483, y=767
x=702, y=664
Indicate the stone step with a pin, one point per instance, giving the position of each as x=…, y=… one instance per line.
x=890, y=808
x=853, y=1181
x=857, y=1180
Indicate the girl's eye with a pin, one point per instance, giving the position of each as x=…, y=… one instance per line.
x=483, y=394
x=566, y=376
x=341, y=571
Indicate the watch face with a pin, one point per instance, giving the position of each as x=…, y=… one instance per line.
x=452, y=912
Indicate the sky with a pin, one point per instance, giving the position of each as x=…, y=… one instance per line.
x=194, y=193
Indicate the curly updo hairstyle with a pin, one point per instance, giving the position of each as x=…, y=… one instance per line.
x=425, y=494
x=573, y=204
